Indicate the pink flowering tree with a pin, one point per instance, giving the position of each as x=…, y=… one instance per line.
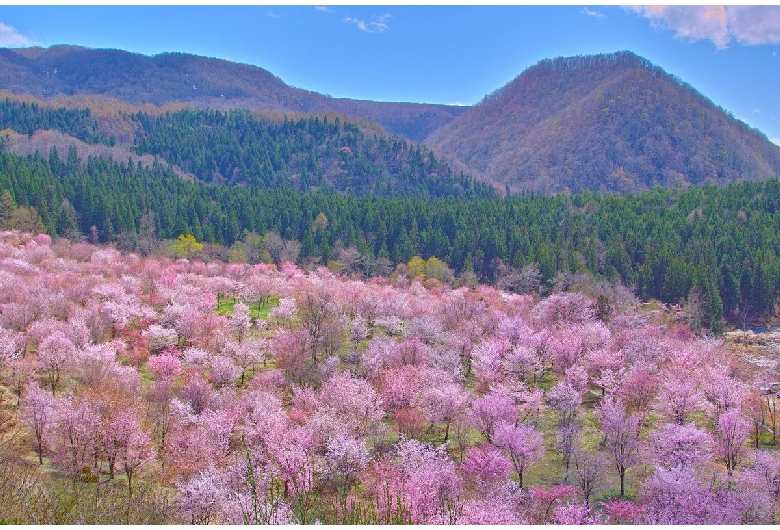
x=485, y=466
x=679, y=397
x=490, y=410
x=224, y=371
x=160, y=338
x=37, y=410
x=75, y=432
x=55, y=353
x=196, y=392
x=623, y=512
x=427, y=483
x=444, y=403
x=730, y=436
x=674, y=445
x=621, y=431
x=566, y=400
x=522, y=443
x=164, y=367
x=565, y=443
x=125, y=443
x=345, y=459
x=240, y=321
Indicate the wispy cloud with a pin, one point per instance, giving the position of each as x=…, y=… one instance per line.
x=273, y=14
x=592, y=13
x=747, y=25
x=325, y=9
x=775, y=140
x=11, y=38
x=756, y=111
x=377, y=24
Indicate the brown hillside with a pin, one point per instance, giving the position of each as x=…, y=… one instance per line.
x=199, y=81
x=608, y=122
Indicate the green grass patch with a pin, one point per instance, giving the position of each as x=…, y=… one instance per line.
x=257, y=310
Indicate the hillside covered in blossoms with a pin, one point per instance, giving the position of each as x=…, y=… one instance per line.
x=142, y=389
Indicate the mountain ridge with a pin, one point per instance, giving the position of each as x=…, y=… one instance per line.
x=609, y=122
x=203, y=81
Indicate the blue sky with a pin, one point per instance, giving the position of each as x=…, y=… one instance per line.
x=436, y=54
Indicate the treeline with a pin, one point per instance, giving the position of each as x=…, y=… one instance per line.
x=238, y=148
x=26, y=118
x=715, y=246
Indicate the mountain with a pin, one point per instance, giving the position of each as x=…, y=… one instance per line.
x=612, y=122
x=241, y=148
x=606, y=122
x=200, y=81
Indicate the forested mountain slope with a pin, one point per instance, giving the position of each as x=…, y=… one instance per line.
x=239, y=148
x=611, y=122
x=200, y=81
x=606, y=122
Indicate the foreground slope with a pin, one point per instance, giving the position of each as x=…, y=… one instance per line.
x=607, y=122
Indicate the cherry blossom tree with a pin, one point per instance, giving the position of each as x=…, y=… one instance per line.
x=679, y=397
x=75, y=429
x=488, y=411
x=354, y=401
x=199, y=497
x=427, y=484
x=485, y=465
x=589, y=469
x=444, y=403
x=224, y=371
x=565, y=441
x=755, y=411
x=675, y=445
x=37, y=410
x=545, y=500
x=621, y=432
x=733, y=429
x=679, y=496
x=127, y=444
x=522, y=443
x=621, y=511
x=160, y=338
x=55, y=353
x=345, y=459
x=164, y=366
x=565, y=399
x=240, y=321
x=638, y=388
x=196, y=391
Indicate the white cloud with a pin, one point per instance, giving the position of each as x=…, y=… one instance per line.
x=377, y=24
x=747, y=25
x=11, y=38
x=756, y=111
x=325, y=9
x=775, y=140
x=592, y=13
x=274, y=15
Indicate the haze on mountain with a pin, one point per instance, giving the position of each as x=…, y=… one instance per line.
x=611, y=122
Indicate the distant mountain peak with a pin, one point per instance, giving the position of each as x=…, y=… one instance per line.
x=608, y=122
